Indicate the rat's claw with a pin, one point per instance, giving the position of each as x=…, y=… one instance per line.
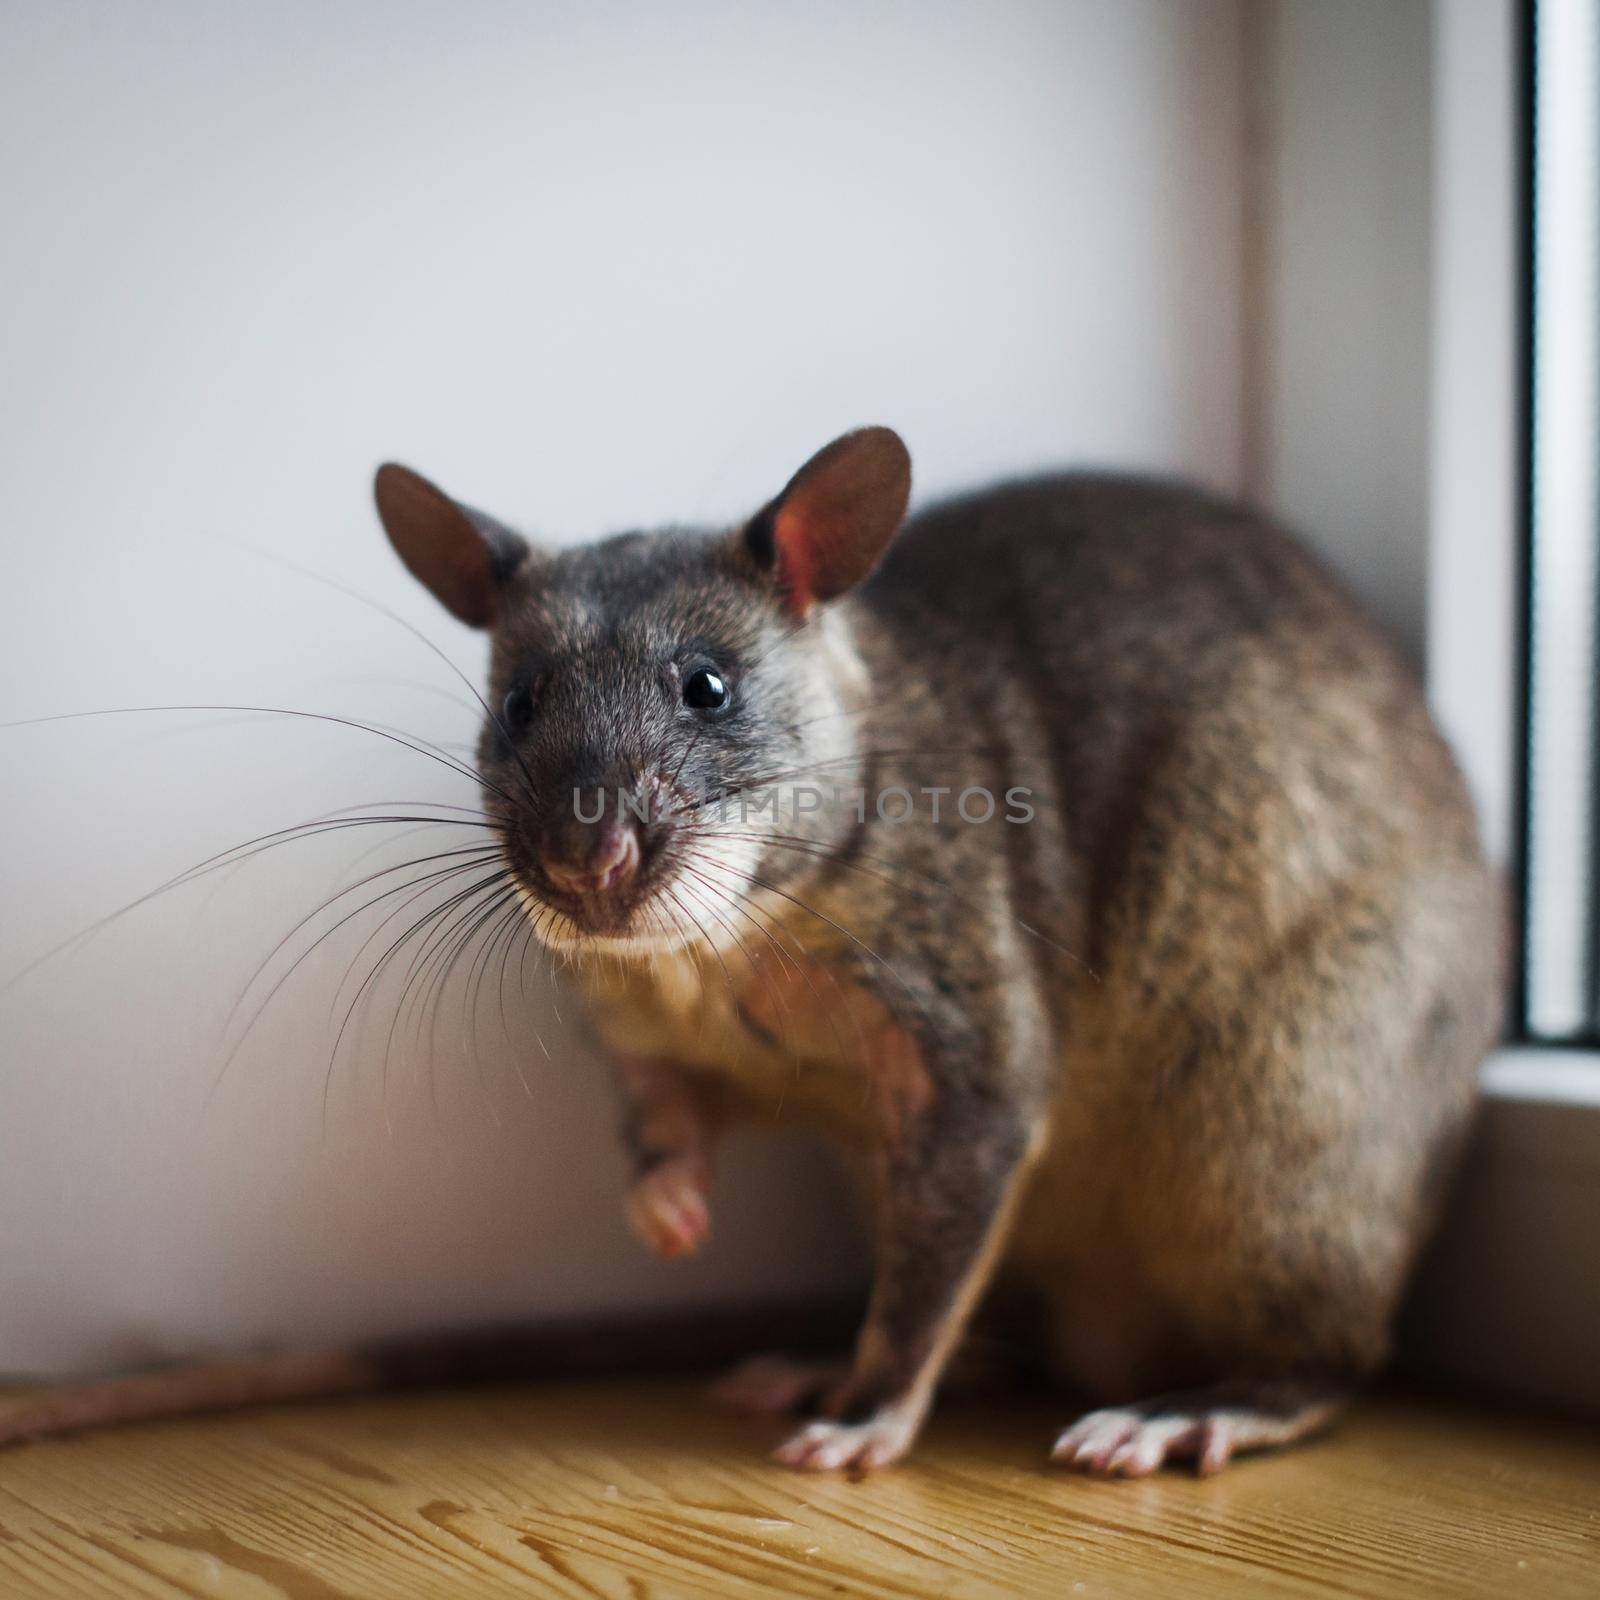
x=667, y=1208
x=1207, y=1426
x=831, y=1446
x=1124, y=1444
x=1094, y=1442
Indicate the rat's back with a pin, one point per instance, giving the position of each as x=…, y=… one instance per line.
x=1163, y=652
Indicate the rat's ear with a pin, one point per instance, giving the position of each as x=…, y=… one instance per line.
x=460, y=555
x=834, y=520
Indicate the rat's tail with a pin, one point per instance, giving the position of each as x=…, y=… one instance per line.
x=183, y=1391
x=633, y=1345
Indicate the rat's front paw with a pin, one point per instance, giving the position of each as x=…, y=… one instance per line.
x=875, y=1441
x=862, y=1432
x=667, y=1207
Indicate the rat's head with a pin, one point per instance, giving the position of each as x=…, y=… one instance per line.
x=637, y=683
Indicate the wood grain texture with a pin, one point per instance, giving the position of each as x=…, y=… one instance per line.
x=642, y=1492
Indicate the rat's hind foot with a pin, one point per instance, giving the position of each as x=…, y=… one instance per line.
x=1206, y=1426
x=773, y=1385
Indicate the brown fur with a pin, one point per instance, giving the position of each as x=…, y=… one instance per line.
x=1184, y=1051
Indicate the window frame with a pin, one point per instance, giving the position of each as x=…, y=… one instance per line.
x=1510, y=1297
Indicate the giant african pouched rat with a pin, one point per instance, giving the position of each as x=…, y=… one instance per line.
x=1082, y=856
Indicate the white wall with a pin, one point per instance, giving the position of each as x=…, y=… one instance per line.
x=590, y=266
x=1340, y=305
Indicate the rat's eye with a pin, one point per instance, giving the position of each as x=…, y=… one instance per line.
x=705, y=689
x=517, y=707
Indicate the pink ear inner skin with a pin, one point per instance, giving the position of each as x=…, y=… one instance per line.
x=793, y=542
x=837, y=515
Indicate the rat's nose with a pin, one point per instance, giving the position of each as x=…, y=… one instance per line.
x=609, y=861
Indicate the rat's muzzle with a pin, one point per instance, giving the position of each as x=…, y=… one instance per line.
x=600, y=860
x=593, y=865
